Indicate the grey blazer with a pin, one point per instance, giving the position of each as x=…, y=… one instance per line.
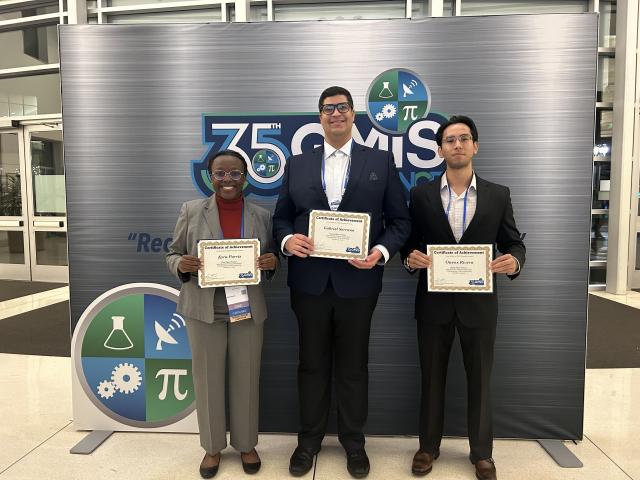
x=199, y=220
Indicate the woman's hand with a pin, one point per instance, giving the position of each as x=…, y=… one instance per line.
x=188, y=263
x=267, y=261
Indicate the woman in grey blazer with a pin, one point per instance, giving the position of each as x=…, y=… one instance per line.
x=218, y=346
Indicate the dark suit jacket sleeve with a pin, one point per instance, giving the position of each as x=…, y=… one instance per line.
x=285, y=211
x=414, y=242
x=396, y=214
x=508, y=239
x=271, y=247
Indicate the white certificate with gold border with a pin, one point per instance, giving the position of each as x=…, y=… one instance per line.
x=227, y=263
x=460, y=268
x=342, y=235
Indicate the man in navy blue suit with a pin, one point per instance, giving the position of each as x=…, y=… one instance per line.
x=334, y=299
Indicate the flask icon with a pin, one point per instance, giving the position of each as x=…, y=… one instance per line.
x=118, y=338
x=386, y=91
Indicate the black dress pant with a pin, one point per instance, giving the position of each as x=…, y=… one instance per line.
x=477, y=344
x=333, y=332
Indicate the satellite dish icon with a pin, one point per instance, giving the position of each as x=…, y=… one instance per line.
x=163, y=334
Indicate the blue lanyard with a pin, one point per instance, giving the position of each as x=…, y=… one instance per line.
x=346, y=176
x=464, y=208
x=241, y=223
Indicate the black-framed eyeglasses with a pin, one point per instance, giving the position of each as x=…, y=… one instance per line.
x=329, y=108
x=234, y=175
x=462, y=139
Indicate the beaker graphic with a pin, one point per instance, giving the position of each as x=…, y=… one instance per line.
x=386, y=91
x=118, y=338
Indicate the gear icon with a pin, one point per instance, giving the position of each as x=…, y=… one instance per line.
x=389, y=110
x=106, y=389
x=126, y=378
x=379, y=116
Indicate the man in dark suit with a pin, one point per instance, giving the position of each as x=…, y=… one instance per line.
x=459, y=208
x=334, y=299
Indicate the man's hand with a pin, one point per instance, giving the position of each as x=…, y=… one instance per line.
x=267, y=261
x=368, y=263
x=299, y=245
x=418, y=259
x=188, y=263
x=504, y=264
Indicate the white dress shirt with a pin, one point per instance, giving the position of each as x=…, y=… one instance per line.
x=454, y=205
x=336, y=166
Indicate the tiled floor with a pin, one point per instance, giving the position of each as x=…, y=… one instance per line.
x=16, y=306
x=631, y=298
x=36, y=435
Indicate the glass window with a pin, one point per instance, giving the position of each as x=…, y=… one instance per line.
x=36, y=94
x=604, y=125
x=257, y=13
x=340, y=10
x=29, y=46
x=179, y=16
x=599, y=237
x=486, y=7
x=448, y=8
x=43, y=9
x=601, y=184
x=597, y=276
x=47, y=166
x=606, y=78
x=607, y=31
x=420, y=8
x=10, y=188
x=11, y=247
x=51, y=248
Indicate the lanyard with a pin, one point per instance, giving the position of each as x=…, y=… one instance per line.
x=464, y=208
x=345, y=180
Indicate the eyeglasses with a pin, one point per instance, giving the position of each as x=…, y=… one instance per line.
x=329, y=108
x=234, y=175
x=462, y=139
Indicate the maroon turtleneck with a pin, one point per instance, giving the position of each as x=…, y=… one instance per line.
x=230, y=212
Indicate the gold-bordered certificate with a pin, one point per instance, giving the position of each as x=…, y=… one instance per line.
x=229, y=262
x=343, y=235
x=460, y=268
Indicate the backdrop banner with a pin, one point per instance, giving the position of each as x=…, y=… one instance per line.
x=145, y=106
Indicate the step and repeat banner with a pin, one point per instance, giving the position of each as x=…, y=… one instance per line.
x=145, y=106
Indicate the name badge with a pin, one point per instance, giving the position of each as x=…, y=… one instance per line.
x=238, y=303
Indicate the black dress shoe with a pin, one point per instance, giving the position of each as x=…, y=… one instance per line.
x=209, y=472
x=358, y=463
x=301, y=461
x=253, y=467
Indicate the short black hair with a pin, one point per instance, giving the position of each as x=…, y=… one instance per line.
x=453, y=120
x=230, y=153
x=333, y=91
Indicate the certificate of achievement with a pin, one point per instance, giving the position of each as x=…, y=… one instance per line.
x=343, y=235
x=229, y=262
x=460, y=268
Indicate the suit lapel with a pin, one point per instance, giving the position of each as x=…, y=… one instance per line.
x=433, y=193
x=358, y=160
x=316, y=175
x=482, y=204
x=212, y=218
x=248, y=220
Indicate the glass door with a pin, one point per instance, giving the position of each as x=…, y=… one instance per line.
x=47, y=219
x=14, y=239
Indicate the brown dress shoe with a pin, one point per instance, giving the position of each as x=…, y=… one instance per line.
x=486, y=469
x=423, y=462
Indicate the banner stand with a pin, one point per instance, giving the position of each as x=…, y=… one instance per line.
x=560, y=453
x=92, y=441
